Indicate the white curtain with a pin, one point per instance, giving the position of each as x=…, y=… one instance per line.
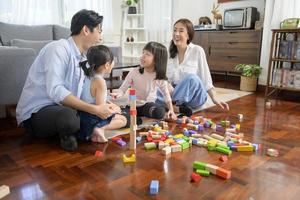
x=158, y=19
x=275, y=12
x=33, y=12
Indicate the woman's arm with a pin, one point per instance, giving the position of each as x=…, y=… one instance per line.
x=212, y=94
x=164, y=87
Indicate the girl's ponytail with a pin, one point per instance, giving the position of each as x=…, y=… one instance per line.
x=84, y=68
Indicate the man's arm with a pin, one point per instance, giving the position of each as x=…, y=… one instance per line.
x=102, y=111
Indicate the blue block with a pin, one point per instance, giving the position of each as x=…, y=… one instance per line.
x=138, y=139
x=186, y=133
x=167, y=133
x=207, y=124
x=196, y=122
x=121, y=143
x=132, y=97
x=200, y=127
x=255, y=146
x=154, y=185
x=195, y=141
x=192, y=132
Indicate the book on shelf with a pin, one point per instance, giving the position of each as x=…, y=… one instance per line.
x=286, y=78
x=289, y=50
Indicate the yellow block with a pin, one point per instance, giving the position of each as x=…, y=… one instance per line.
x=178, y=136
x=213, y=142
x=245, y=148
x=130, y=159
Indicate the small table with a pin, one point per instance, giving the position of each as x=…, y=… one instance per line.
x=113, y=84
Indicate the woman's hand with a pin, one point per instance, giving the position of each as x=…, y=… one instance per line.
x=171, y=115
x=221, y=104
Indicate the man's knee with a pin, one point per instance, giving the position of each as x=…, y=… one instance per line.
x=68, y=122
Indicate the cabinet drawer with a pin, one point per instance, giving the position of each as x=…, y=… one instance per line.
x=227, y=63
x=234, y=36
x=254, y=53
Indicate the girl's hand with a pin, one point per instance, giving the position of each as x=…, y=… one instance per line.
x=171, y=115
x=221, y=104
x=115, y=95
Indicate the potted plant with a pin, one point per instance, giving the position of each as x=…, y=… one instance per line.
x=131, y=6
x=250, y=73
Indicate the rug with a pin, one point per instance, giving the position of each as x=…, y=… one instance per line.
x=223, y=94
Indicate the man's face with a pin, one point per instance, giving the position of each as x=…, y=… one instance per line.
x=94, y=37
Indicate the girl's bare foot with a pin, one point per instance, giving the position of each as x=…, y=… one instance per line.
x=98, y=135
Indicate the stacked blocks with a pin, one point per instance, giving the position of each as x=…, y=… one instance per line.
x=205, y=169
x=133, y=113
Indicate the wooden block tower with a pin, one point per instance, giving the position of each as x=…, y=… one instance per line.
x=133, y=126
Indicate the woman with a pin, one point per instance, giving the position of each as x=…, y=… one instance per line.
x=188, y=71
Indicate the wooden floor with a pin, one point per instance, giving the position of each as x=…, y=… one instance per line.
x=39, y=169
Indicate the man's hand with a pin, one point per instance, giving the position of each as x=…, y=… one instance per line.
x=103, y=111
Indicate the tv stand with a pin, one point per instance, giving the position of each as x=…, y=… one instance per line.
x=227, y=48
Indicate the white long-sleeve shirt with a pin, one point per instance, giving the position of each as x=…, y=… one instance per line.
x=146, y=86
x=194, y=62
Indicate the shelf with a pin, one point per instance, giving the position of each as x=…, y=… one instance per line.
x=284, y=88
x=134, y=29
x=138, y=43
x=285, y=60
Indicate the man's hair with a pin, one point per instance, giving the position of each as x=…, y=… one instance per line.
x=160, y=54
x=84, y=17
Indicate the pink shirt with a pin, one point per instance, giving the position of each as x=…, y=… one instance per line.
x=146, y=86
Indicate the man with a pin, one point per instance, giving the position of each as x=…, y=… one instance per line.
x=51, y=95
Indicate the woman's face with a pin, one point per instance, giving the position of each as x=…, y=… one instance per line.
x=180, y=34
x=147, y=59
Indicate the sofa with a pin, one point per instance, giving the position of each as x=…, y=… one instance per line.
x=19, y=45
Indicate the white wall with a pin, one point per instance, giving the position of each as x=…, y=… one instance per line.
x=193, y=9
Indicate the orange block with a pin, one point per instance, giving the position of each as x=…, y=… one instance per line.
x=114, y=139
x=226, y=174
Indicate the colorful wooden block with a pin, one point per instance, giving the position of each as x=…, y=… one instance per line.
x=202, y=172
x=150, y=145
x=132, y=98
x=199, y=165
x=185, y=145
x=176, y=148
x=99, y=154
x=223, y=173
x=4, y=190
x=154, y=187
x=245, y=148
x=195, y=177
x=211, y=168
x=114, y=139
x=166, y=150
x=217, y=136
x=121, y=142
x=223, y=158
x=131, y=91
x=222, y=150
x=272, y=152
x=130, y=159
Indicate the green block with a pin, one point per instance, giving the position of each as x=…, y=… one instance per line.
x=186, y=138
x=202, y=172
x=185, y=145
x=223, y=146
x=211, y=147
x=199, y=165
x=150, y=145
x=223, y=123
x=225, y=151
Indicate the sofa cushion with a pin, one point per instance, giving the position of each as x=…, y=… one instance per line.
x=36, y=45
x=13, y=31
x=60, y=32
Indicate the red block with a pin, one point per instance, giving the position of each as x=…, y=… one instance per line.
x=156, y=141
x=133, y=112
x=131, y=91
x=195, y=177
x=114, y=139
x=149, y=138
x=223, y=173
x=223, y=158
x=98, y=154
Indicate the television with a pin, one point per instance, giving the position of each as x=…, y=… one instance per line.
x=240, y=18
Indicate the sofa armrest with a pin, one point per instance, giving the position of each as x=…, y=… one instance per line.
x=14, y=66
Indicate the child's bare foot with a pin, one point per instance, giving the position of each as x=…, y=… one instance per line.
x=98, y=135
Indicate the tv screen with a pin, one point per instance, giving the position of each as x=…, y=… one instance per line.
x=234, y=18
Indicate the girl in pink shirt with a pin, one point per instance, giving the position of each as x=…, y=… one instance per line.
x=147, y=80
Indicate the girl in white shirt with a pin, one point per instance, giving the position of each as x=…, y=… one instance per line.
x=188, y=71
x=100, y=60
x=147, y=79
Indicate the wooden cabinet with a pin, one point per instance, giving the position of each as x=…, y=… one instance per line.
x=225, y=49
